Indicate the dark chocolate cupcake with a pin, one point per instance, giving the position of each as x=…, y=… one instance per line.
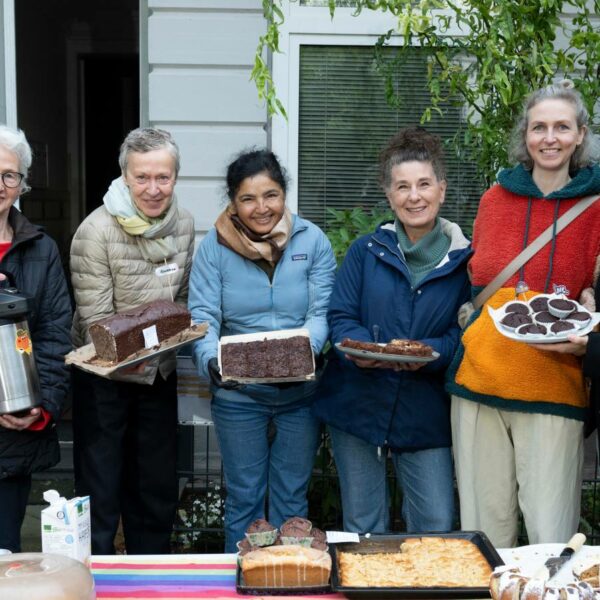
x=532, y=329
x=244, y=546
x=297, y=531
x=580, y=318
x=517, y=307
x=319, y=539
x=514, y=320
x=539, y=303
x=544, y=317
x=561, y=327
x=560, y=307
x=261, y=533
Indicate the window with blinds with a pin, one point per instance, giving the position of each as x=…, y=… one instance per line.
x=345, y=120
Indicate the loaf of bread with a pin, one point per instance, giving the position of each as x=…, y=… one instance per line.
x=286, y=566
x=121, y=335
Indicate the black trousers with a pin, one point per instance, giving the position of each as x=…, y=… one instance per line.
x=14, y=492
x=125, y=458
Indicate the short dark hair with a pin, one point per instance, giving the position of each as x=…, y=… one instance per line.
x=250, y=163
x=411, y=143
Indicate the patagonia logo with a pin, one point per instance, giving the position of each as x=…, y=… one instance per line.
x=299, y=256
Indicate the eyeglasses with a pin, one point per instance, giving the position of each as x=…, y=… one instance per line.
x=11, y=179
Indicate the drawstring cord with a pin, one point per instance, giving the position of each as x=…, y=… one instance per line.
x=170, y=282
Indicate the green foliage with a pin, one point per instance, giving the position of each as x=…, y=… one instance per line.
x=344, y=226
x=487, y=54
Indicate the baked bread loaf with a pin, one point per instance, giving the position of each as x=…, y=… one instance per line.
x=286, y=566
x=421, y=562
x=121, y=335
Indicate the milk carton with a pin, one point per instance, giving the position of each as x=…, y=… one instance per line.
x=66, y=526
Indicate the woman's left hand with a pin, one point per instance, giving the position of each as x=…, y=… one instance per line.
x=406, y=366
x=576, y=345
x=20, y=423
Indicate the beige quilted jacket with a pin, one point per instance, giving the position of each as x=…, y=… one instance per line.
x=110, y=275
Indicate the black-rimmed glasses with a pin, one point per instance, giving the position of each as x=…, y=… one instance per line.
x=11, y=179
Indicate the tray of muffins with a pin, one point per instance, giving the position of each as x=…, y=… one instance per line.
x=291, y=560
x=544, y=319
x=398, y=350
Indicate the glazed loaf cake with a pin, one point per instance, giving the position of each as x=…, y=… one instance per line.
x=117, y=337
x=286, y=566
x=268, y=358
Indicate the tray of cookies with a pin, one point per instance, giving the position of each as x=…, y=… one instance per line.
x=429, y=565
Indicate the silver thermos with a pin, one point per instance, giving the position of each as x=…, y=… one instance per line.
x=19, y=382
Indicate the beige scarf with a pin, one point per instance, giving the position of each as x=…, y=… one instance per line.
x=233, y=234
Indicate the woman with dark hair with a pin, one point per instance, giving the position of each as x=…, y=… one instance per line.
x=125, y=427
x=517, y=410
x=407, y=279
x=28, y=442
x=261, y=268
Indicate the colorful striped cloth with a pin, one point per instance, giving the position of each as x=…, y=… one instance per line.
x=169, y=577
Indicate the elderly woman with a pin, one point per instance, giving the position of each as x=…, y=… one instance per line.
x=407, y=279
x=28, y=442
x=125, y=428
x=518, y=411
x=261, y=268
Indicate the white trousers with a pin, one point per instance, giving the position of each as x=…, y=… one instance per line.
x=505, y=460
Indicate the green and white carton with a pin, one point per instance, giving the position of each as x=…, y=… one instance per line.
x=66, y=526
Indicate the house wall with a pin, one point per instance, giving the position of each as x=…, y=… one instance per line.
x=199, y=57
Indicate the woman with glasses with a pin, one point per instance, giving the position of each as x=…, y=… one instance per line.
x=29, y=259
x=135, y=248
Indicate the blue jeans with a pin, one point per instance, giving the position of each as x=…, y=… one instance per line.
x=252, y=463
x=425, y=477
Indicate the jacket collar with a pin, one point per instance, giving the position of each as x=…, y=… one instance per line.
x=22, y=228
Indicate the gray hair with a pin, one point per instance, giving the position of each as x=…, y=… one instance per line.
x=147, y=139
x=585, y=154
x=15, y=141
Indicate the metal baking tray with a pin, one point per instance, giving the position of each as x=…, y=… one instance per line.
x=242, y=588
x=391, y=543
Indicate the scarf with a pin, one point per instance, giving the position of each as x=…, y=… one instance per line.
x=233, y=234
x=154, y=236
x=425, y=254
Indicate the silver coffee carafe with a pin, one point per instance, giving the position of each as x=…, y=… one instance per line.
x=19, y=382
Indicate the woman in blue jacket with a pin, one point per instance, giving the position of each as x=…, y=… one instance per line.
x=261, y=268
x=405, y=280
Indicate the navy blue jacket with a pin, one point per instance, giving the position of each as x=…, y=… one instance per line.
x=403, y=410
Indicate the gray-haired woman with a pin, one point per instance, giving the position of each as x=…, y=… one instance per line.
x=124, y=430
x=28, y=442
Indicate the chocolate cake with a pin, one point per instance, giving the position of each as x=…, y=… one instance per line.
x=121, y=335
x=358, y=345
x=408, y=348
x=513, y=320
x=268, y=358
x=532, y=329
x=539, y=304
x=517, y=307
x=561, y=326
x=545, y=317
x=580, y=317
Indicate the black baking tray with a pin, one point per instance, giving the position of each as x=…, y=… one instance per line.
x=391, y=543
x=242, y=588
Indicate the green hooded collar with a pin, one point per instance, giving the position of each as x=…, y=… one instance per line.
x=519, y=181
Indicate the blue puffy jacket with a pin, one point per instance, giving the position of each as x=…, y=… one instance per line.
x=403, y=410
x=235, y=296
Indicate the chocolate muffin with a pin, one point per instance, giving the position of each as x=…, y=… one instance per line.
x=580, y=318
x=517, y=307
x=561, y=326
x=319, y=539
x=297, y=531
x=513, y=320
x=532, y=329
x=261, y=533
x=244, y=546
x=539, y=303
x=545, y=317
x=561, y=307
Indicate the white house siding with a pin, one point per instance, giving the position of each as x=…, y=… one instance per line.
x=199, y=58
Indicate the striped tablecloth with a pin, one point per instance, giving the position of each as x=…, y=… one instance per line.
x=169, y=577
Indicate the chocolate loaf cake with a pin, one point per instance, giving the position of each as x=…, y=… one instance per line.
x=268, y=358
x=117, y=337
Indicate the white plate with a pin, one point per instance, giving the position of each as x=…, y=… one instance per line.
x=530, y=559
x=396, y=358
x=551, y=338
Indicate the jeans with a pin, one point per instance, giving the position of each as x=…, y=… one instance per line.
x=252, y=462
x=425, y=477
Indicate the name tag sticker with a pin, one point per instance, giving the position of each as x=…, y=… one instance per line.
x=150, y=337
x=166, y=269
x=299, y=256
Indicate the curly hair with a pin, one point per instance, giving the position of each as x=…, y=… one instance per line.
x=585, y=154
x=411, y=143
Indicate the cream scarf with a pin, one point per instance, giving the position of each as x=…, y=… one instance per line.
x=233, y=234
x=154, y=236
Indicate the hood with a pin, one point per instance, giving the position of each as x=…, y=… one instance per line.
x=519, y=181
